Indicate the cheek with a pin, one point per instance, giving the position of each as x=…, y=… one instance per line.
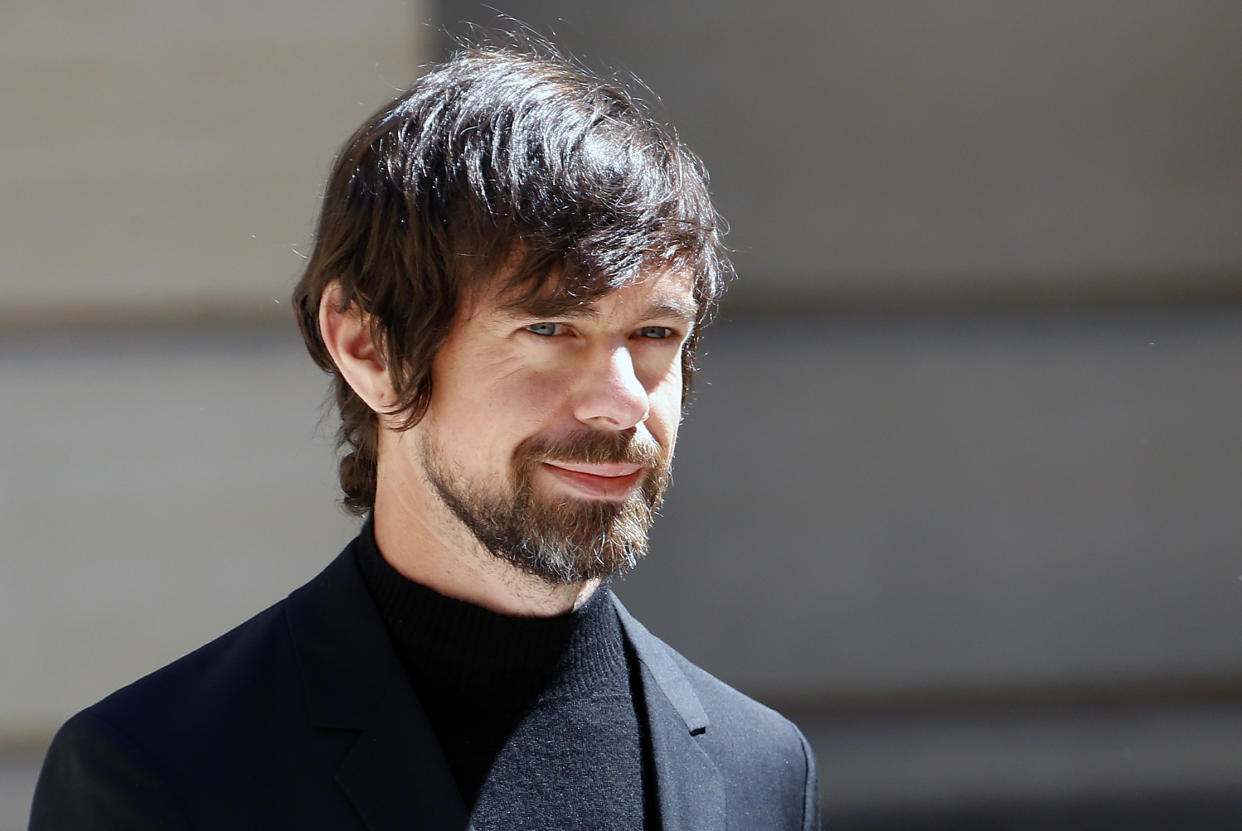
x=666, y=411
x=525, y=401
x=489, y=418
x=537, y=391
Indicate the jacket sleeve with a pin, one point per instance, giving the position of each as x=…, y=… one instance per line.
x=810, y=793
x=95, y=779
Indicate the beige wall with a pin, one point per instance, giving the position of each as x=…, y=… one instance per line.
x=163, y=158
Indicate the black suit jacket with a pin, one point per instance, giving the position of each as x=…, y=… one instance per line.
x=304, y=717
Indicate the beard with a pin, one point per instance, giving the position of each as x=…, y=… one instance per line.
x=559, y=539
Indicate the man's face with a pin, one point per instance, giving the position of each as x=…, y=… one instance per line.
x=549, y=435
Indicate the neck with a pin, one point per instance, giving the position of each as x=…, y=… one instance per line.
x=426, y=544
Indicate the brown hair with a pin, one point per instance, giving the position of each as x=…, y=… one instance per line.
x=497, y=161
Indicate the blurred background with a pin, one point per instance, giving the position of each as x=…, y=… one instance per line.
x=959, y=492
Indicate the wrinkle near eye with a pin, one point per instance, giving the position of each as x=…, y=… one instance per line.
x=505, y=368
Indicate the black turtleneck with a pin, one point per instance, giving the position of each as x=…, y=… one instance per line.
x=537, y=716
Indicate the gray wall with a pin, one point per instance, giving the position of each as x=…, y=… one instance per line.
x=163, y=474
x=892, y=147
x=162, y=160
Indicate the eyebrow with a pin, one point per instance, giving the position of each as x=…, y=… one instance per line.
x=673, y=307
x=661, y=307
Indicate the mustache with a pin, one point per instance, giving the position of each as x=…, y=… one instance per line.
x=591, y=447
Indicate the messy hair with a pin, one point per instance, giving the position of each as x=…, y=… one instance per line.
x=502, y=165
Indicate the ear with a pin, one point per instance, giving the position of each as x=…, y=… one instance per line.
x=347, y=335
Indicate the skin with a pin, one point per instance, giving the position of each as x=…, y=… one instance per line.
x=502, y=376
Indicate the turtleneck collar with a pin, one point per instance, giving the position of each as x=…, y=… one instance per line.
x=457, y=651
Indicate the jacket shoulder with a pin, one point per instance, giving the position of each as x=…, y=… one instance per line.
x=224, y=732
x=764, y=759
x=125, y=761
x=745, y=730
x=243, y=670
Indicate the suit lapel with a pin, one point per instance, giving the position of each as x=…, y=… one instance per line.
x=394, y=774
x=689, y=787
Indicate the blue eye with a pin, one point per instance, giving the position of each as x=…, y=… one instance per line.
x=543, y=329
x=655, y=332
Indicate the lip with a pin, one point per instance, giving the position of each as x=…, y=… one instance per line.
x=613, y=481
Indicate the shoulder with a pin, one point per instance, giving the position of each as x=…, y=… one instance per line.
x=727, y=707
x=702, y=699
x=187, y=700
x=742, y=729
x=237, y=673
x=212, y=734
x=121, y=763
x=246, y=681
x=765, y=760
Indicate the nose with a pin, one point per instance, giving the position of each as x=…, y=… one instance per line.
x=611, y=396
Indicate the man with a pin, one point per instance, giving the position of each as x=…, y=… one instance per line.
x=511, y=272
